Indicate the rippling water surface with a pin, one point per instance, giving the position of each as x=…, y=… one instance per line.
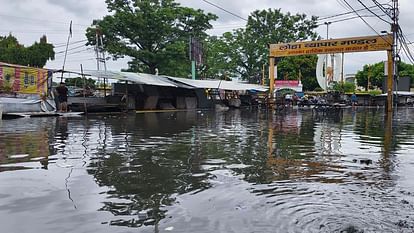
x=237, y=171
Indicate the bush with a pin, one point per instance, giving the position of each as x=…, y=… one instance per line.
x=344, y=87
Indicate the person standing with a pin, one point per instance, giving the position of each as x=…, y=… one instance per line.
x=62, y=91
x=354, y=99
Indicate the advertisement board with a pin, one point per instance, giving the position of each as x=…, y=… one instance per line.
x=344, y=45
x=24, y=80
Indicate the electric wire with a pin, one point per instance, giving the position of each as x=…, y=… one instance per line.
x=346, y=19
x=404, y=45
x=227, y=11
x=70, y=49
x=382, y=8
x=362, y=18
x=372, y=12
x=346, y=13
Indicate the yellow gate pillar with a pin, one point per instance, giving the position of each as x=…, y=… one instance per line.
x=271, y=76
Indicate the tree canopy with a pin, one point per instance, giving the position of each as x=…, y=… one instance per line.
x=154, y=33
x=377, y=76
x=78, y=82
x=243, y=52
x=36, y=55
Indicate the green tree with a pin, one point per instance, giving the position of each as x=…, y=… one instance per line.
x=376, y=74
x=35, y=55
x=343, y=87
x=78, y=82
x=154, y=33
x=218, y=63
x=247, y=49
x=300, y=67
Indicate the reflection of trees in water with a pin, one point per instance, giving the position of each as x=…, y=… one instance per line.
x=25, y=140
x=144, y=180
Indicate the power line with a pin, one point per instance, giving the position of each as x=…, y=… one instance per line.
x=346, y=13
x=404, y=45
x=227, y=11
x=362, y=18
x=346, y=19
x=72, y=43
x=372, y=12
x=78, y=51
x=381, y=7
x=73, y=48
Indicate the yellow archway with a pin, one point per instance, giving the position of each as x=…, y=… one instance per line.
x=344, y=45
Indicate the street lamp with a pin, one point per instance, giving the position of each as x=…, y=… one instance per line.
x=327, y=29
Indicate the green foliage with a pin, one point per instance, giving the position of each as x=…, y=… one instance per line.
x=78, y=82
x=154, y=33
x=376, y=74
x=219, y=65
x=300, y=67
x=343, y=87
x=35, y=55
x=243, y=52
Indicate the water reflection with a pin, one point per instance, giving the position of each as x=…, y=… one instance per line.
x=24, y=144
x=235, y=171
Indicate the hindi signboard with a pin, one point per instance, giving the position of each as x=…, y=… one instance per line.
x=24, y=80
x=344, y=45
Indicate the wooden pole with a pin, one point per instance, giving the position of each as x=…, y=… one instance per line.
x=66, y=51
x=263, y=75
x=390, y=81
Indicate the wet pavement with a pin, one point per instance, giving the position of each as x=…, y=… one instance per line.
x=235, y=171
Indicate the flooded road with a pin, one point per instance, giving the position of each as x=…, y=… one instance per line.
x=237, y=171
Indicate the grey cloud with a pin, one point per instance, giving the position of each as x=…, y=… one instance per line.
x=82, y=9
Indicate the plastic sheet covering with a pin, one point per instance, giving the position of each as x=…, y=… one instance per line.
x=20, y=105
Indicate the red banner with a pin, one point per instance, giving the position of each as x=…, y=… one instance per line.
x=287, y=83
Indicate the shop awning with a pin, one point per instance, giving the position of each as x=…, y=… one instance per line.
x=140, y=78
x=219, y=84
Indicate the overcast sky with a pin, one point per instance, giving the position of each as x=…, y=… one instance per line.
x=28, y=20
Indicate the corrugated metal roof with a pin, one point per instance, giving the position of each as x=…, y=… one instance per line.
x=167, y=81
x=220, y=84
x=197, y=83
x=147, y=79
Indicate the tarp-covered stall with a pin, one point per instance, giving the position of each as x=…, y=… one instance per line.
x=24, y=89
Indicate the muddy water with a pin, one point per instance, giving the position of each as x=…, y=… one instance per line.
x=238, y=171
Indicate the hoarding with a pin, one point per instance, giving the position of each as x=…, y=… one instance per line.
x=344, y=45
x=24, y=80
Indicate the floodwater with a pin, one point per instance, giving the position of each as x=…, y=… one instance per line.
x=235, y=171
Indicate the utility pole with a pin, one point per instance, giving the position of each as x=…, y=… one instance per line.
x=100, y=55
x=393, y=55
